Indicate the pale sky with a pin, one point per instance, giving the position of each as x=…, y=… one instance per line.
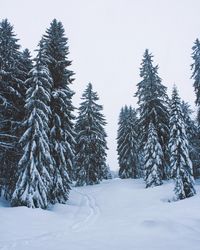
x=107, y=39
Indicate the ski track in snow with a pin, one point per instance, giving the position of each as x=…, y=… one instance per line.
x=94, y=213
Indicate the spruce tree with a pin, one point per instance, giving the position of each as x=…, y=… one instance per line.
x=196, y=74
x=127, y=141
x=61, y=124
x=106, y=172
x=35, y=168
x=193, y=134
x=153, y=158
x=153, y=107
x=26, y=64
x=91, y=140
x=180, y=163
x=12, y=99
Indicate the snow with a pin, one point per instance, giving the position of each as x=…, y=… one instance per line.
x=114, y=215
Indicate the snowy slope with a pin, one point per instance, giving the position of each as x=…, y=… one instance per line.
x=115, y=215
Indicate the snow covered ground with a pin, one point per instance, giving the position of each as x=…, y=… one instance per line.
x=115, y=215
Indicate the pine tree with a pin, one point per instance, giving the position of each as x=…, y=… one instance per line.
x=180, y=163
x=62, y=128
x=128, y=143
x=91, y=140
x=12, y=99
x=193, y=135
x=26, y=64
x=153, y=107
x=35, y=168
x=153, y=158
x=196, y=74
x=106, y=172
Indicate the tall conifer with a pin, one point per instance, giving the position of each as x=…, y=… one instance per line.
x=127, y=141
x=180, y=163
x=12, y=100
x=153, y=106
x=35, y=168
x=91, y=140
x=61, y=124
x=196, y=74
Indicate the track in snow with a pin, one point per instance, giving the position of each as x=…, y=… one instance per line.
x=88, y=201
x=94, y=213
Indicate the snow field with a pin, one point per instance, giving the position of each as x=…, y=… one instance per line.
x=115, y=215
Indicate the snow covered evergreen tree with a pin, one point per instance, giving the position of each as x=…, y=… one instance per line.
x=153, y=107
x=180, y=163
x=196, y=74
x=62, y=128
x=12, y=99
x=91, y=140
x=35, y=168
x=153, y=159
x=26, y=65
x=193, y=134
x=127, y=141
x=106, y=172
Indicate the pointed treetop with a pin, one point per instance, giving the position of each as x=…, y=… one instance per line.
x=5, y=24
x=147, y=53
x=147, y=67
x=41, y=58
x=6, y=32
x=26, y=53
x=6, y=27
x=196, y=45
x=175, y=94
x=147, y=56
x=89, y=93
x=89, y=86
x=57, y=30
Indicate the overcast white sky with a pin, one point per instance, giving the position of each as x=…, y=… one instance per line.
x=107, y=39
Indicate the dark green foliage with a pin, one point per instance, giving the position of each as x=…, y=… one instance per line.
x=153, y=158
x=180, y=163
x=35, y=168
x=153, y=106
x=127, y=141
x=12, y=99
x=26, y=65
x=106, y=172
x=91, y=140
x=196, y=74
x=61, y=123
x=193, y=135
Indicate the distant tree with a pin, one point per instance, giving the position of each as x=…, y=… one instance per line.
x=153, y=158
x=180, y=163
x=91, y=140
x=35, y=168
x=25, y=64
x=12, y=100
x=106, y=172
x=61, y=123
x=193, y=135
x=153, y=107
x=196, y=74
x=127, y=140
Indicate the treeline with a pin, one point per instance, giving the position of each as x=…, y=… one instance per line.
x=160, y=140
x=44, y=148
